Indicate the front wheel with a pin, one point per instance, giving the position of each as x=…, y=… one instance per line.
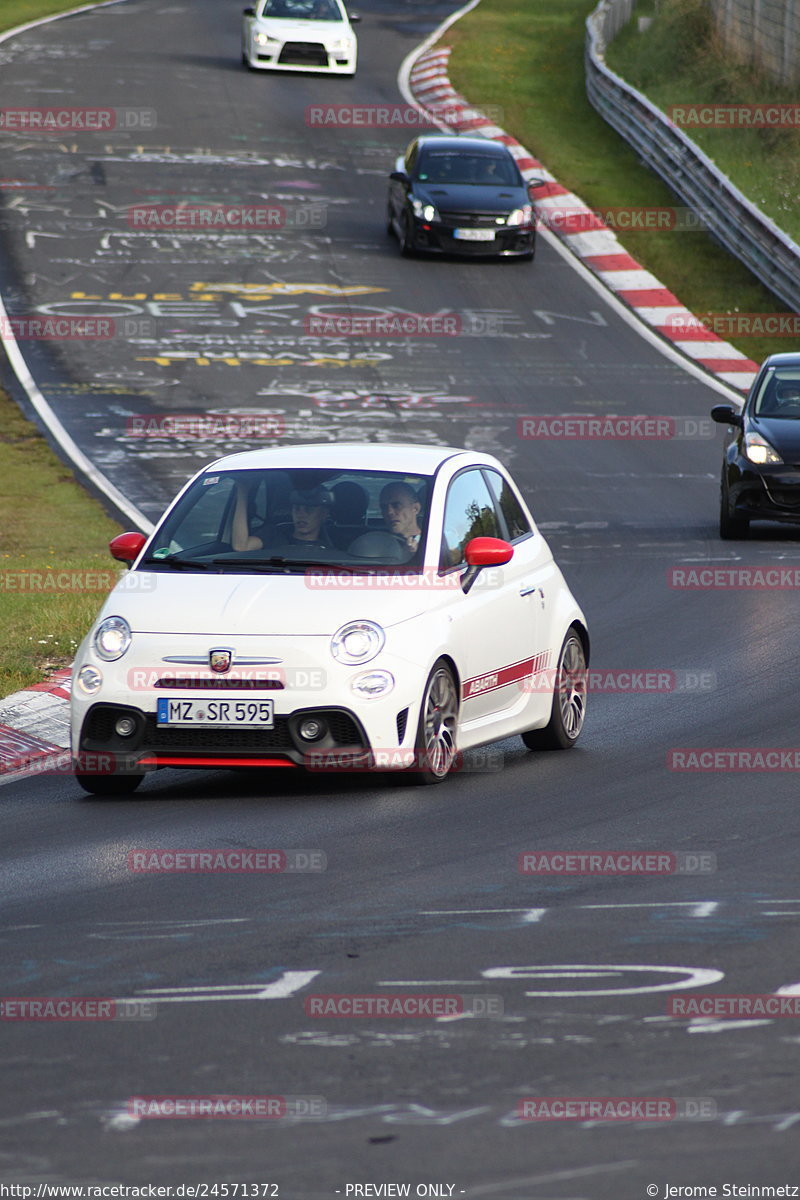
x=108, y=785
x=569, y=700
x=406, y=236
x=730, y=527
x=435, y=747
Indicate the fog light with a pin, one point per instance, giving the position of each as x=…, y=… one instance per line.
x=90, y=680
x=372, y=684
x=311, y=730
x=125, y=726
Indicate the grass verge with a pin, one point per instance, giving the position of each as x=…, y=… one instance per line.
x=763, y=163
x=52, y=548
x=19, y=12
x=528, y=60
x=52, y=532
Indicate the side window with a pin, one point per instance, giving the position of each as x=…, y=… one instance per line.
x=412, y=154
x=469, y=512
x=517, y=523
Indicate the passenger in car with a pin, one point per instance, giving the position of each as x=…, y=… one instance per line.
x=309, y=509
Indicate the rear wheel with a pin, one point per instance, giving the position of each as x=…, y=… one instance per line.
x=729, y=526
x=569, y=700
x=435, y=747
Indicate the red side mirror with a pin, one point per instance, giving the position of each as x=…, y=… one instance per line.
x=487, y=552
x=126, y=547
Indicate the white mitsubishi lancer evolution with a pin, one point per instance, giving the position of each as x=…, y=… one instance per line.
x=323, y=607
x=299, y=35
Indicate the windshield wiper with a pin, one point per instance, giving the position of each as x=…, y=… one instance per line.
x=175, y=560
x=280, y=563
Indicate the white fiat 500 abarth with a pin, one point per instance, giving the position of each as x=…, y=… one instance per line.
x=330, y=607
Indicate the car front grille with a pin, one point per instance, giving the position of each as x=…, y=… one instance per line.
x=189, y=684
x=99, y=734
x=304, y=54
x=212, y=739
x=470, y=220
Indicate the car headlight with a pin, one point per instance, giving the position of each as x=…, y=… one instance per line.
x=372, y=684
x=263, y=39
x=342, y=44
x=89, y=680
x=112, y=638
x=426, y=211
x=520, y=216
x=357, y=642
x=759, y=451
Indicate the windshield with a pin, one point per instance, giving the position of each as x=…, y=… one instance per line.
x=456, y=167
x=302, y=10
x=285, y=520
x=779, y=394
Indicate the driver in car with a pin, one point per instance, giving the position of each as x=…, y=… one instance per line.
x=401, y=509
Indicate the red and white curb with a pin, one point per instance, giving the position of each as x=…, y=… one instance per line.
x=34, y=728
x=582, y=230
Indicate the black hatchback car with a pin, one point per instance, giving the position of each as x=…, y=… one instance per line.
x=761, y=468
x=460, y=195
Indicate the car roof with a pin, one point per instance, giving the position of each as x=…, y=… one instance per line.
x=469, y=144
x=406, y=459
x=788, y=358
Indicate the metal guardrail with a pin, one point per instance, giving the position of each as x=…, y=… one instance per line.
x=725, y=212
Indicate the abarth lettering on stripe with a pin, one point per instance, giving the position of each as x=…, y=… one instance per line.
x=503, y=676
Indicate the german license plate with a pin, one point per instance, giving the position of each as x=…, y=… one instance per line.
x=474, y=235
x=245, y=713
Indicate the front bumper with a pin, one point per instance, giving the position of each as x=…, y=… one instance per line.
x=358, y=732
x=508, y=241
x=302, y=56
x=772, y=494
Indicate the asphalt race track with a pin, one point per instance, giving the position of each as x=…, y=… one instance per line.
x=421, y=894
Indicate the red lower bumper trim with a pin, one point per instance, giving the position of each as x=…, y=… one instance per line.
x=207, y=760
